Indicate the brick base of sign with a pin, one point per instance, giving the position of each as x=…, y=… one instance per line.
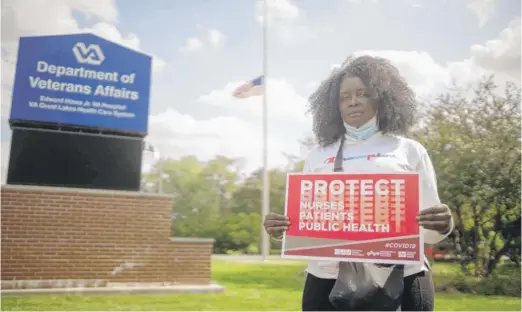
x=77, y=238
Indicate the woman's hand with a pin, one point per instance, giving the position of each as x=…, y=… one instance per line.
x=437, y=218
x=276, y=224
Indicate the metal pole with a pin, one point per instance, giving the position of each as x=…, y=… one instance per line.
x=265, y=240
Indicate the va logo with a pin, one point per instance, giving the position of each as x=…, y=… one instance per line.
x=91, y=54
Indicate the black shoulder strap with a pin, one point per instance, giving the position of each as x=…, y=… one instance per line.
x=338, y=163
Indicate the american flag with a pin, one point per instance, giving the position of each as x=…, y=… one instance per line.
x=252, y=88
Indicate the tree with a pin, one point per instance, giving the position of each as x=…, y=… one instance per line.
x=239, y=232
x=473, y=137
x=247, y=198
x=202, y=192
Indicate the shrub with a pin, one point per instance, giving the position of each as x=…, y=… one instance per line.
x=495, y=285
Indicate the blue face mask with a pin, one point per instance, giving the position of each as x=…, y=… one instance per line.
x=364, y=132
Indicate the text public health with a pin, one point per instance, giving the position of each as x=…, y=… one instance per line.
x=81, y=72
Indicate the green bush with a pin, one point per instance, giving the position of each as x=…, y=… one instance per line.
x=505, y=280
x=234, y=252
x=275, y=252
x=252, y=249
x=499, y=285
x=463, y=283
x=495, y=285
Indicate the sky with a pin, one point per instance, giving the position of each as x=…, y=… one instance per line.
x=203, y=49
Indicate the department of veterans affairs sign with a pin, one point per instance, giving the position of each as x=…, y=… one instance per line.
x=81, y=80
x=353, y=217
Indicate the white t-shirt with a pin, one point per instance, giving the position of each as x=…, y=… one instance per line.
x=379, y=154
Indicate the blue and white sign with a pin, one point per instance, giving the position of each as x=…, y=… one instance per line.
x=81, y=80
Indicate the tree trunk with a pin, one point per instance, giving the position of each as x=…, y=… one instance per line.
x=461, y=238
x=476, y=239
x=492, y=263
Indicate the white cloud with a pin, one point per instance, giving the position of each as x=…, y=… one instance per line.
x=416, y=4
x=312, y=85
x=502, y=54
x=192, y=44
x=131, y=40
x=110, y=32
x=287, y=22
x=283, y=100
x=427, y=76
x=361, y=1
x=176, y=135
x=424, y=75
x=5, y=147
x=420, y=70
x=51, y=17
x=25, y=17
x=102, y=9
x=483, y=9
x=278, y=11
x=238, y=133
x=8, y=72
x=216, y=38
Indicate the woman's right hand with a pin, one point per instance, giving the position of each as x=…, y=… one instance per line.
x=276, y=224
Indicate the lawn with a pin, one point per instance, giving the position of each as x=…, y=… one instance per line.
x=249, y=286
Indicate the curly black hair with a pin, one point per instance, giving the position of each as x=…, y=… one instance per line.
x=395, y=101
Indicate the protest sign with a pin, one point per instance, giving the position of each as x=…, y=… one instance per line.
x=353, y=217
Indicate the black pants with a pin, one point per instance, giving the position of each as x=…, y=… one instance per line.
x=419, y=293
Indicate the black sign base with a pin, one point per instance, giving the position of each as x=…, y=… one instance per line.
x=74, y=159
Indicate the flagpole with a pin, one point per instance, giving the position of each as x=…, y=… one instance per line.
x=265, y=240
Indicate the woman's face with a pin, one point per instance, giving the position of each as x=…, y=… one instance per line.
x=354, y=103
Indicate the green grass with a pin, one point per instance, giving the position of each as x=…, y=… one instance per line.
x=248, y=287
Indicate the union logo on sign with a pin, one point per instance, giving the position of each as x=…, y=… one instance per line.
x=91, y=54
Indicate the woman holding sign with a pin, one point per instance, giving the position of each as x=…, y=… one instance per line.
x=365, y=108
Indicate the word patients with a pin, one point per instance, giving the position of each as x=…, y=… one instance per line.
x=352, y=205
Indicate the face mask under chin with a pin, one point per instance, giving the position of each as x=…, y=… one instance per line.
x=363, y=132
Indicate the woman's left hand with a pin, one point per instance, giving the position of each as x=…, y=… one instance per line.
x=437, y=218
